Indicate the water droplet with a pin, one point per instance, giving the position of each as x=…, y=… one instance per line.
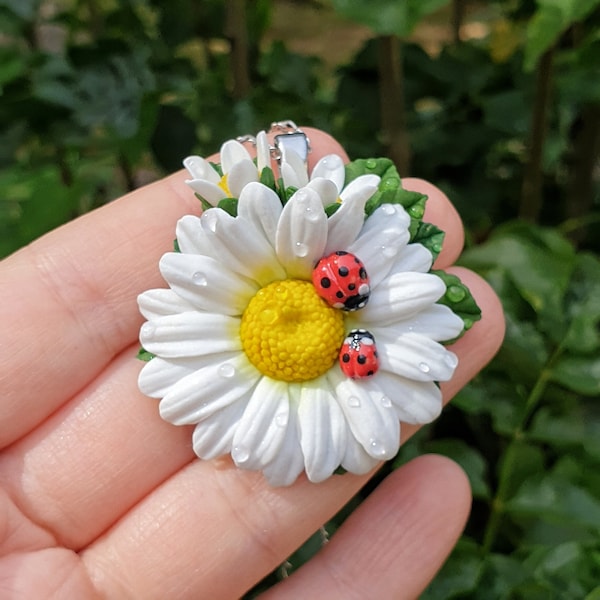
x=226, y=370
x=210, y=219
x=389, y=251
x=377, y=448
x=451, y=359
x=301, y=196
x=148, y=329
x=371, y=163
x=311, y=214
x=424, y=367
x=281, y=420
x=436, y=247
x=386, y=402
x=240, y=454
x=416, y=211
x=301, y=250
x=354, y=402
x=468, y=322
x=199, y=278
x=268, y=316
x=455, y=293
x=391, y=183
x=388, y=209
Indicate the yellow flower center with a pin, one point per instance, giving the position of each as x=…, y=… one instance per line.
x=289, y=333
x=224, y=185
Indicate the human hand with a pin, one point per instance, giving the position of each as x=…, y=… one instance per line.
x=101, y=498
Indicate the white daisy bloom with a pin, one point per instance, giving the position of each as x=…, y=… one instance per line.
x=238, y=170
x=249, y=352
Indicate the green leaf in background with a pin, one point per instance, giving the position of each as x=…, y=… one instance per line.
x=578, y=373
x=388, y=17
x=552, y=18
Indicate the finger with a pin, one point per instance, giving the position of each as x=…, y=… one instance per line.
x=392, y=546
x=72, y=293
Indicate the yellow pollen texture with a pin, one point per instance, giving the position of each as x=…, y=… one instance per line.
x=289, y=333
x=224, y=185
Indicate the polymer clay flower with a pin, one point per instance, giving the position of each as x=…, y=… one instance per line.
x=246, y=348
x=238, y=169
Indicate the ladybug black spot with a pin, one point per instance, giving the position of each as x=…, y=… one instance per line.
x=362, y=273
x=346, y=357
x=326, y=282
x=351, y=286
x=344, y=271
x=339, y=295
x=361, y=359
x=370, y=373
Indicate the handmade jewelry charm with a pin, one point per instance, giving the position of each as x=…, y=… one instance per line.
x=302, y=322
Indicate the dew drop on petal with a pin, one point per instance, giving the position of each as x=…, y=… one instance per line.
x=199, y=278
x=354, y=402
x=311, y=214
x=301, y=250
x=451, y=359
x=389, y=251
x=226, y=370
x=281, y=420
x=301, y=196
x=240, y=454
x=385, y=402
x=424, y=367
x=377, y=448
x=148, y=329
x=211, y=219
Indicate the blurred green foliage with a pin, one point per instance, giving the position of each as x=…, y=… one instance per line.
x=99, y=96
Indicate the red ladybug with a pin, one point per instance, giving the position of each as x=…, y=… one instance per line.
x=342, y=281
x=358, y=355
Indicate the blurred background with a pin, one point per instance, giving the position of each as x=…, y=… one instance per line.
x=498, y=103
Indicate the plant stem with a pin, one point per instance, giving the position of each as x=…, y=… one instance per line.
x=392, y=105
x=531, y=192
x=237, y=33
x=510, y=457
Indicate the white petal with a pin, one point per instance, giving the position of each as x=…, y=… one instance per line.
x=232, y=152
x=159, y=375
x=364, y=185
x=213, y=436
x=288, y=462
x=437, y=322
x=326, y=190
x=190, y=235
x=261, y=430
x=384, y=234
x=241, y=248
x=301, y=234
x=190, y=334
x=209, y=389
x=373, y=424
x=162, y=302
x=416, y=402
x=211, y=192
x=200, y=168
x=356, y=460
x=293, y=169
x=331, y=167
x=322, y=430
x=262, y=207
x=241, y=174
x=416, y=357
x=413, y=257
x=206, y=283
x=346, y=223
x=401, y=296
x=263, y=151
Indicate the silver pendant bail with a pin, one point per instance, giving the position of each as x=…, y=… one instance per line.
x=290, y=137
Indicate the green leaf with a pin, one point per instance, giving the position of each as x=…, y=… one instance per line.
x=469, y=458
x=458, y=297
x=229, y=205
x=144, y=355
x=387, y=17
x=557, y=500
x=430, y=236
x=578, y=373
x=267, y=177
x=332, y=208
x=550, y=21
